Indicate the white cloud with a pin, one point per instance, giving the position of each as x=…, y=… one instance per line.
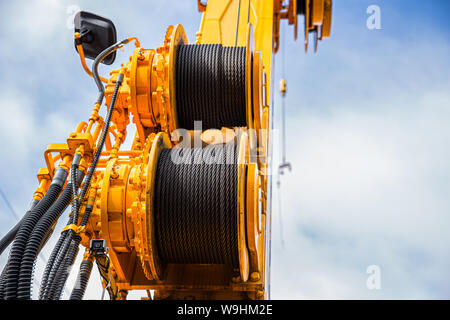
x=17, y=123
x=366, y=188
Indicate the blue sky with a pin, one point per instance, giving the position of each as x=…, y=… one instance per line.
x=368, y=136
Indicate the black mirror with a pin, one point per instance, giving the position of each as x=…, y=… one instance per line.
x=96, y=34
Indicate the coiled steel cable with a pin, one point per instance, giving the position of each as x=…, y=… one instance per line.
x=210, y=86
x=195, y=206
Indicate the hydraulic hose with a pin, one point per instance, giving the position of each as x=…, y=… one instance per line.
x=24, y=232
x=9, y=237
x=98, y=59
x=60, y=250
x=2, y=284
x=38, y=236
x=82, y=280
x=6, y=240
x=101, y=143
x=85, y=270
x=58, y=256
x=70, y=193
x=54, y=262
x=64, y=269
x=50, y=263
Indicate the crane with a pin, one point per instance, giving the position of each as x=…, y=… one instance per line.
x=186, y=210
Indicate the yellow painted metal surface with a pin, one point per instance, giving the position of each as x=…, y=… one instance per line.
x=220, y=24
x=123, y=184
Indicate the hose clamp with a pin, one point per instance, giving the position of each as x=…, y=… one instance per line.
x=74, y=228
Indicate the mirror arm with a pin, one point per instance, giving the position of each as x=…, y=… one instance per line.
x=80, y=50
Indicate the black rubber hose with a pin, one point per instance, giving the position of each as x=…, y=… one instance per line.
x=74, y=177
x=82, y=280
x=58, y=254
x=24, y=232
x=10, y=236
x=64, y=270
x=56, y=250
x=101, y=143
x=2, y=284
x=38, y=236
x=50, y=263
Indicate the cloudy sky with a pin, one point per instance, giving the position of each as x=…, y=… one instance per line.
x=368, y=137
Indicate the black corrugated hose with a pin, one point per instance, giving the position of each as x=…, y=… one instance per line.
x=58, y=255
x=62, y=248
x=39, y=235
x=64, y=269
x=9, y=237
x=2, y=284
x=82, y=280
x=63, y=243
x=24, y=232
x=5, y=242
x=83, y=275
x=56, y=259
x=50, y=263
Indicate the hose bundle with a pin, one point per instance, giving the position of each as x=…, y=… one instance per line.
x=24, y=232
x=33, y=231
x=66, y=249
x=210, y=86
x=195, y=206
x=54, y=263
x=39, y=236
x=10, y=236
x=64, y=269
